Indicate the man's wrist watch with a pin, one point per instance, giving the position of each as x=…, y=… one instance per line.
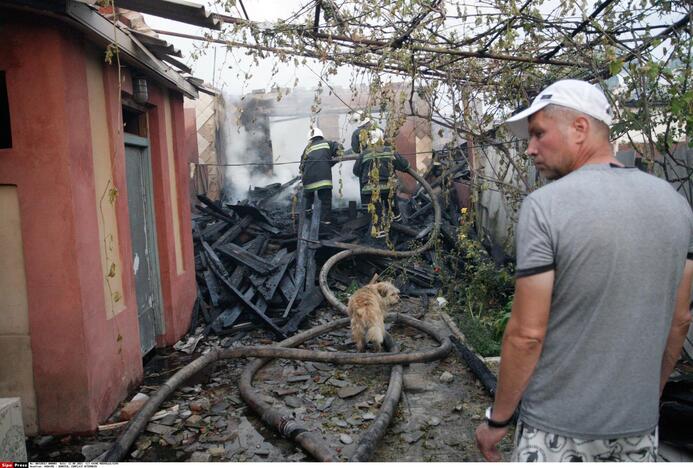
x=493, y=423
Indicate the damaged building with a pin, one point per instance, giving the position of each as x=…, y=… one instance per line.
x=170, y=292
x=96, y=247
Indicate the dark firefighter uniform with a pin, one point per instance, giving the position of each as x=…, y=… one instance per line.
x=316, y=173
x=360, y=136
x=374, y=168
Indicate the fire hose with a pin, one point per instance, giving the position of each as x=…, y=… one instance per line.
x=282, y=422
x=376, y=431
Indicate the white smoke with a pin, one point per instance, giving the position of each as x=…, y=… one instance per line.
x=241, y=151
x=289, y=137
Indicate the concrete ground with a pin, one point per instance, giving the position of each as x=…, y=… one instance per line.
x=206, y=420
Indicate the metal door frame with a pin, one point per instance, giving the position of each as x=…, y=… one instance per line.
x=143, y=143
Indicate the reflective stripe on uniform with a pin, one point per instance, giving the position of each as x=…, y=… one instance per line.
x=369, y=188
x=318, y=185
x=319, y=146
x=371, y=156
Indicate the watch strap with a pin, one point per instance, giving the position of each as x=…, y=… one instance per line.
x=496, y=424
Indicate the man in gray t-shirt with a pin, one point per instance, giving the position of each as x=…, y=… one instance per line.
x=604, y=272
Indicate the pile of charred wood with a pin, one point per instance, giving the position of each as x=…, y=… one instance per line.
x=258, y=266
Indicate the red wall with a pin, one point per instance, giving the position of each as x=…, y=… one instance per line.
x=178, y=291
x=84, y=364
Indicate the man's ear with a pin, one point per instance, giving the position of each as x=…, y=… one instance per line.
x=581, y=128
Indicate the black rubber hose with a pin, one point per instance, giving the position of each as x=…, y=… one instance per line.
x=291, y=429
x=282, y=422
x=476, y=365
x=376, y=431
x=356, y=249
x=120, y=448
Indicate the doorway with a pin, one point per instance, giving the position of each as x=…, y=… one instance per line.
x=145, y=258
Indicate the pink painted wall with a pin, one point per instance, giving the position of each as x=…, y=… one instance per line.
x=178, y=290
x=84, y=364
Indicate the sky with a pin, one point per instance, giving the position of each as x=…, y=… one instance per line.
x=220, y=65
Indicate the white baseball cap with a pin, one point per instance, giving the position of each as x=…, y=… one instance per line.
x=573, y=94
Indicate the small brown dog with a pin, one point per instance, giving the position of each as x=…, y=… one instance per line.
x=367, y=308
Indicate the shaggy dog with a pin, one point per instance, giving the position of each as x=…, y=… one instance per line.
x=367, y=308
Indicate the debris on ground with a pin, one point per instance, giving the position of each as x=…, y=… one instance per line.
x=257, y=261
x=206, y=419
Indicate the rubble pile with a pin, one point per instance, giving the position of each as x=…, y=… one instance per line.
x=258, y=264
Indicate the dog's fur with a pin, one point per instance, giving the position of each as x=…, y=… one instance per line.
x=367, y=308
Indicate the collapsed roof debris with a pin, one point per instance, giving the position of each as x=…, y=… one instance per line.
x=253, y=267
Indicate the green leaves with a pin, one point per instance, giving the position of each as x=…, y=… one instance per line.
x=615, y=67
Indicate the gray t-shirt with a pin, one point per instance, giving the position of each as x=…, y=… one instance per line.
x=618, y=240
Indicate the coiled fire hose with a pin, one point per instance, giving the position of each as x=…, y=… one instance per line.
x=284, y=423
x=376, y=431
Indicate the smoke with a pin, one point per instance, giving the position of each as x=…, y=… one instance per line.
x=250, y=125
x=245, y=146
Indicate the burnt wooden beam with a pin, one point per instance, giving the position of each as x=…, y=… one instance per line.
x=210, y=281
x=267, y=227
x=344, y=237
x=195, y=314
x=286, y=286
x=212, y=230
x=222, y=274
x=212, y=287
x=215, y=214
x=312, y=244
x=309, y=303
x=300, y=272
x=248, y=210
x=240, y=272
x=476, y=365
x=224, y=320
x=267, y=286
x=239, y=255
x=233, y=232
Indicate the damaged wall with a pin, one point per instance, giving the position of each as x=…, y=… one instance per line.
x=289, y=122
x=206, y=114
x=67, y=144
x=497, y=205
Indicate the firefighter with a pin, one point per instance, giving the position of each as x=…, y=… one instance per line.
x=359, y=137
x=375, y=168
x=316, y=172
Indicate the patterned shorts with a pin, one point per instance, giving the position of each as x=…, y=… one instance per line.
x=534, y=445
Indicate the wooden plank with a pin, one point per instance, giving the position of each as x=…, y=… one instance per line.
x=309, y=303
x=287, y=286
x=239, y=255
x=267, y=285
x=233, y=232
x=300, y=273
x=240, y=271
x=312, y=244
x=222, y=274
